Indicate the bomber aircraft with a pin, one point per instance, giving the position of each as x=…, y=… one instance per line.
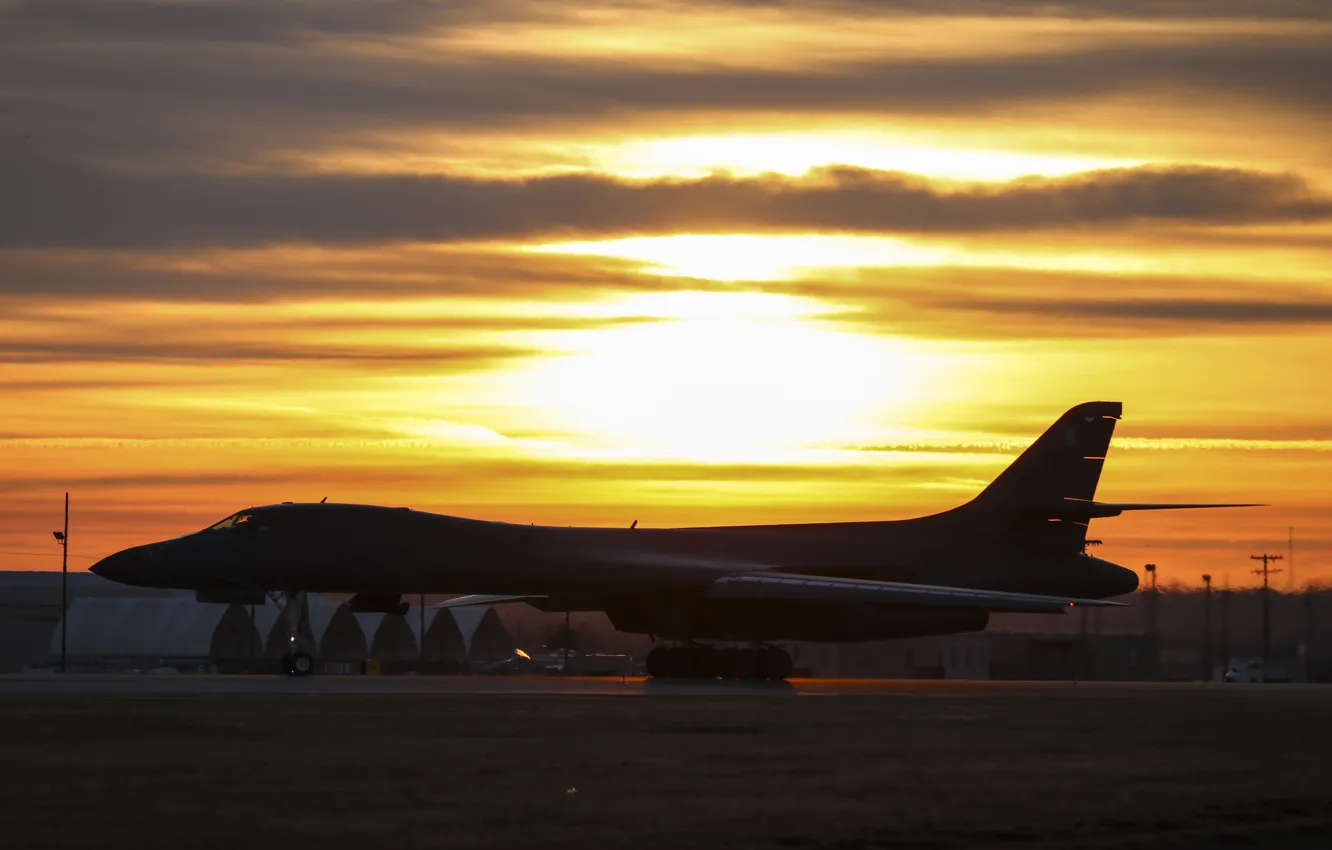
x=1020, y=545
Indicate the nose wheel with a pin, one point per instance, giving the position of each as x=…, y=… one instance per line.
x=769, y=663
x=298, y=664
x=294, y=610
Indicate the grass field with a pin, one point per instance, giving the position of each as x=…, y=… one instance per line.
x=1201, y=767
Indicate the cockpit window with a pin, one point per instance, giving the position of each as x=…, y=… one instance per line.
x=239, y=520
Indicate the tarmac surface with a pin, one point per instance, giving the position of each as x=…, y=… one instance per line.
x=186, y=683
x=213, y=762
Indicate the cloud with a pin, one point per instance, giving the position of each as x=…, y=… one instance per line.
x=1173, y=311
x=213, y=291
x=235, y=85
x=428, y=358
x=249, y=21
x=285, y=273
x=1134, y=9
x=130, y=481
x=50, y=204
x=1029, y=304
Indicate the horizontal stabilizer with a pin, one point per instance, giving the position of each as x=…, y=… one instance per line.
x=766, y=585
x=481, y=599
x=1094, y=510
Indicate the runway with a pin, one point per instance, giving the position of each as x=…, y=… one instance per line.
x=491, y=761
x=555, y=686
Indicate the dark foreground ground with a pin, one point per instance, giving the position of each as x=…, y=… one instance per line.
x=1185, y=767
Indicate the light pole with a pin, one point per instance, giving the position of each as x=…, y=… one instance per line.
x=1150, y=569
x=1207, y=628
x=62, y=537
x=1225, y=624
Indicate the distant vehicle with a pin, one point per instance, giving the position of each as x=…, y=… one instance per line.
x=1255, y=670
x=1244, y=670
x=1018, y=546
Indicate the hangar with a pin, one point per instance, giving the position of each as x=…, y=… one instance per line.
x=181, y=631
x=30, y=610
x=110, y=625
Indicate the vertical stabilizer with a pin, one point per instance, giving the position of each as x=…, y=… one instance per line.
x=1063, y=465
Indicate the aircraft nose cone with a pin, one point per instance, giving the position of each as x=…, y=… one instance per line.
x=130, y=566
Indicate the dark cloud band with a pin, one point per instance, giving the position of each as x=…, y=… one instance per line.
x=212, y=84
x=51, y=204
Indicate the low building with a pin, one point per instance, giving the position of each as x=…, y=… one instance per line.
x=964, y=656
x=1067, y=657
x=111, y=625
x=30, y=610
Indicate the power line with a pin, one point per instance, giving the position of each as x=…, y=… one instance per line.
x=51, y=555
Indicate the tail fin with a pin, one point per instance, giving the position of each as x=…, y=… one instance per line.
x=1030, y=498
x=1064, y=463
x=1046, y=498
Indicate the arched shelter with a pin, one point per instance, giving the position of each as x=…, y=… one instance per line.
x=484, y=635
x=443, y=648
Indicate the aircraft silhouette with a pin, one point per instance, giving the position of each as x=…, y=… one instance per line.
x=1020, y=545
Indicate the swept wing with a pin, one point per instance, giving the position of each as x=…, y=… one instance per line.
x=788, y=586
x=766, y=585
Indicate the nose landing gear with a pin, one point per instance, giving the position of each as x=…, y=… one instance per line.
x=295, y=612
x=298, y=664
x=767, y=663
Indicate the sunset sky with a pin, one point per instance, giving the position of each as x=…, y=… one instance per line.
x=684, y=263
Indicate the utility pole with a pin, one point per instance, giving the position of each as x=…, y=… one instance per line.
x=1207, y=628
x=420, y=643
x=62, y=537
x=1267, y=623
x=1290, y=558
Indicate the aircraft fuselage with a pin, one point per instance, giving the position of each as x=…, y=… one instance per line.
x=359, y=548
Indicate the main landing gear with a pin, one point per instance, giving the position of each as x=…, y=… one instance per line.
x=706, y=662
x=294, y=611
